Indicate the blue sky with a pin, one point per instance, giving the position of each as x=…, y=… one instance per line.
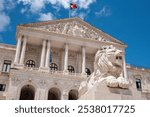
x=126, y=20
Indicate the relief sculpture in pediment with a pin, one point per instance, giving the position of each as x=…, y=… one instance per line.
x=72, y=28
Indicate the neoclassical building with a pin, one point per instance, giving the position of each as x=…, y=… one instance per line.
x=66, y=60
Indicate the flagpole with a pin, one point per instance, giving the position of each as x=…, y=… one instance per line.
x=73, y=6
x=69, y=10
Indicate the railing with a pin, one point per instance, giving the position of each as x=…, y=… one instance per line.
x=62, y=72
x=31, y=68
x=55, y=72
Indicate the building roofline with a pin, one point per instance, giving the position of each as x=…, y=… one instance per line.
x=7, y=46
x=134, y=67
x=42, y=23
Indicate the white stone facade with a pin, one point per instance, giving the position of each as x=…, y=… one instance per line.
x=71, y=44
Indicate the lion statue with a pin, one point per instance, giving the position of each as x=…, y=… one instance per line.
x=108, y=67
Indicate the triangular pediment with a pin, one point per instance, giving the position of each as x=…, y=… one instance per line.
x=73, y=27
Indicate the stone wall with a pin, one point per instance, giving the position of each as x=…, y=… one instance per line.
x=6, y=53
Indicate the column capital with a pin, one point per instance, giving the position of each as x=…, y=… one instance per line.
x=66, y=44
x=44, y=42
x=83, y=46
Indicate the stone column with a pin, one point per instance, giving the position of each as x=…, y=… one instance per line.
x=23, y=51
x=18, y=49
x=83, y=60
x=124, y=68
x=65, y=95
x=48, y=54
x=43, y=54
x=66, y=58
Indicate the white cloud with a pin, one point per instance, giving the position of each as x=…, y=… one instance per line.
x=45, y=17
x=23, y=10
x=1, y=5
x=37, y=5
x=10, y=4
x=4, y=21
x=104, y=12
x=82, y=15
x=85, y=3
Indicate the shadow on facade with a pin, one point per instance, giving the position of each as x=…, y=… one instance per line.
x=27, y=93
x=73, y=94
x=54, y=94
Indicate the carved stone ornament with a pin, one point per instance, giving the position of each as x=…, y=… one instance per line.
x=42, y=83
x=16, y=80
x=108, y=67
x=73, y=28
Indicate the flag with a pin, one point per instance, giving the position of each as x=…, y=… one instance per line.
x=73, y=6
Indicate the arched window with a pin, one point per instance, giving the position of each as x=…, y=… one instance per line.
x=30, y=63
x=73, y=95
x=87, y=70
x=27, y=93
x=71, y=69
x=54, y=94
x=53, y=66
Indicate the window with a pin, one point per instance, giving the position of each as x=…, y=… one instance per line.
x=6, y=66
x=88, y=72
x=71, y=69
x=30, y=63
x=138, y=84
x=53, y=66
x=2, y=87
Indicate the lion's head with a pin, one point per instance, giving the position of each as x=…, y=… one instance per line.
x=108, y=60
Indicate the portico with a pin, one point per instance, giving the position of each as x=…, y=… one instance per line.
x=68, y=39
x=46, y=46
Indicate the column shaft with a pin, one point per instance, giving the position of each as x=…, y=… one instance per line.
x=66, y=58
x=48, y=54
x=83, y=60
x=18, y=49
x=124, y=68
x=43, y=54
x=23, y=51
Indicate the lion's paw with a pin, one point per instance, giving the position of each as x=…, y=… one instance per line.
x=112, y=81
x=123, y=83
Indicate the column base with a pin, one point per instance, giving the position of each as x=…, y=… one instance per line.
x=18, y=66
x=84, y=74
x=65, y=72
x=44, y=69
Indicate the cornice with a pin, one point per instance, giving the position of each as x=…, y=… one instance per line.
x=20, y=29
x=138, y=69
x=7, y=47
